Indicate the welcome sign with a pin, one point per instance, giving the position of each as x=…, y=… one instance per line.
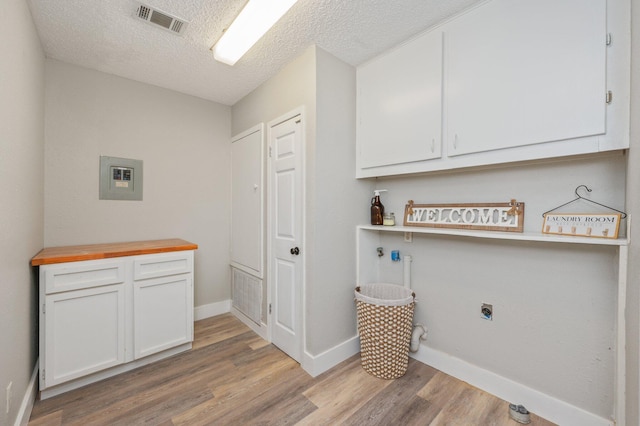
x=582, y=225
x=479, y=216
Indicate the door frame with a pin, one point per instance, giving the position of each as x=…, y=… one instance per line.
x=299, y=111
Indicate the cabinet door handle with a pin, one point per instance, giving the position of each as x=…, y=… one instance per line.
x=455, y=141
x=295, y=251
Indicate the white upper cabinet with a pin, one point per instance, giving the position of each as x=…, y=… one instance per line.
x=506, y=81
x=399, y=104
x=522, y=72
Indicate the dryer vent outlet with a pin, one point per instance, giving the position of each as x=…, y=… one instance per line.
x=486, y=311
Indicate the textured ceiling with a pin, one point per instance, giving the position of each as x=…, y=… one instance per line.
x=104, y=35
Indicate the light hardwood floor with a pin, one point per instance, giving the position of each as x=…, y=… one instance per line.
x=233, y=377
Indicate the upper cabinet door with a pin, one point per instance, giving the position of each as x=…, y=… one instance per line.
x=399, y=104
x=522, y=72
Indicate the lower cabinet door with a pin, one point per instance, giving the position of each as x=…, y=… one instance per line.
x=163, y=314
x=85, y=333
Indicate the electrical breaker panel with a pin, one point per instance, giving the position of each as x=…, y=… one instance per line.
x=120, y=179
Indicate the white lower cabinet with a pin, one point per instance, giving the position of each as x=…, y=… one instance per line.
x=84, y=333
x=99, y=315
x=163, y=316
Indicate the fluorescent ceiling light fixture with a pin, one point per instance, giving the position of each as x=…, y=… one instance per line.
x=252, y=23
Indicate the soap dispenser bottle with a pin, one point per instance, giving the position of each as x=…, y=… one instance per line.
x=377, y=209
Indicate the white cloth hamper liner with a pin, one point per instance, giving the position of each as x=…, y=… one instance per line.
x=384, y=294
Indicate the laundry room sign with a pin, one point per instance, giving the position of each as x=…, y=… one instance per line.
x=478, y=216
x=582, y=225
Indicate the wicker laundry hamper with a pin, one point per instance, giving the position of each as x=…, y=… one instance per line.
x=385, y=316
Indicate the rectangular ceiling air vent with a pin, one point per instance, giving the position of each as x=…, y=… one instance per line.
x=161, y=19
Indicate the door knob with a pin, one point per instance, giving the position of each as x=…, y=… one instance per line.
x=295, y=251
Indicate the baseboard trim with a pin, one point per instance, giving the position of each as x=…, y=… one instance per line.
x=537, y=402
x=260, y=330
x=211, y=310
x=24, y=414
x=318, y=364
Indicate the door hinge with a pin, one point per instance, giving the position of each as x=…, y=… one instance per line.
x=44, y=308
x=609, y=39
x=269, y=152
x=44, y=376
x=609, y=97
x=269, y=308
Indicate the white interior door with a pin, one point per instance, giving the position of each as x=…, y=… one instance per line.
x=286, y=254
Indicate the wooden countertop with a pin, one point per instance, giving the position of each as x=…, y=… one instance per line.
x=52, y=255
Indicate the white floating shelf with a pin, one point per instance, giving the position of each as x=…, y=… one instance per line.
x=497, y=235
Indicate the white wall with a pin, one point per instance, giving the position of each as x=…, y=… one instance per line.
x=184, y=144
x=633, y=189
x=21, y=195
x=292, y=87
x=335, y=201
x=339, y=204
x=554, y=304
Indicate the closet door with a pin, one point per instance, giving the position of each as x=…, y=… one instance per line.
x=247, y=216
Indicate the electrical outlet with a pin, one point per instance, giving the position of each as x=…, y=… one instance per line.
x=486, y=311
x=9, y=396
x=408, y=237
